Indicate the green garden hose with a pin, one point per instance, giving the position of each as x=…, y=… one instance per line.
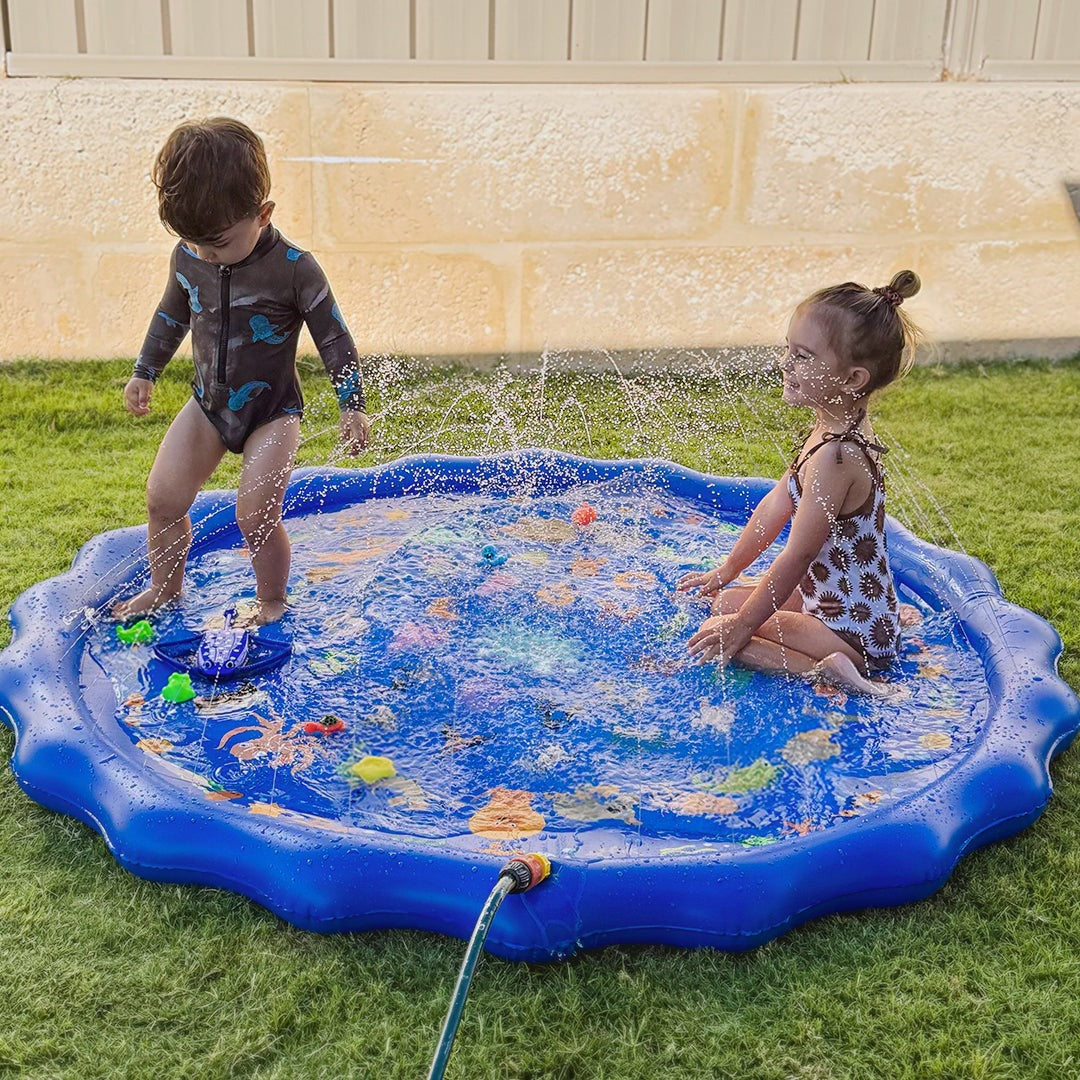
x=518, y=875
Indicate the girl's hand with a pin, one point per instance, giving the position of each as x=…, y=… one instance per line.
x=355, y=431
x=708, y=581
x=137, y=396
x=720, y=638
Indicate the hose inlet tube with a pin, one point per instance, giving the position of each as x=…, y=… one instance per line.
x=518, y=875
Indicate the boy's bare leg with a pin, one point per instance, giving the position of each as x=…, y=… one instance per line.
x=187, y=456
x=269, y=454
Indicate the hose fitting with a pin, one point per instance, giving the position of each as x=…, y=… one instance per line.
x=526, y=871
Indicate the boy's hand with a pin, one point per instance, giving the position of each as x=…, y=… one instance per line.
x=355, y=431
x=720, y=638
x=137, y=396
x=709, y=582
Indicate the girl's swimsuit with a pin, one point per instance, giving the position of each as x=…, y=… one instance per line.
x=245, y=320
x=849, y=586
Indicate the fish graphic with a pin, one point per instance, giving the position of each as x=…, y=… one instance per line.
x=191, y=290
x=351, y=385
x=292, y=254
x=239, y=398
x=170, y=320
x=262, y=329
x=242, y=699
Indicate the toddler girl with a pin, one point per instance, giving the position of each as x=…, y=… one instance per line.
x=827, y=603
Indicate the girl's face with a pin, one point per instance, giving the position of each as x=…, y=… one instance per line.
x=814, y=374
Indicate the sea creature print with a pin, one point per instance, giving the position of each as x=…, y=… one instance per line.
x=352, y=384
x=262, y=329
x=192, y=292
x=239, y=398
x=281, y=747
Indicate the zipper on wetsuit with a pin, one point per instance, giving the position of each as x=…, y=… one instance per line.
x=223, y=334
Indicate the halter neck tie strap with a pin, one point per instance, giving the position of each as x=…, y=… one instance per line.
x=851, y=434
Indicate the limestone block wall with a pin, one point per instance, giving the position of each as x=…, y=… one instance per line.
x=485, y=221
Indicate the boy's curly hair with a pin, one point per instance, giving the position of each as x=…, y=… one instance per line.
x=209, y=175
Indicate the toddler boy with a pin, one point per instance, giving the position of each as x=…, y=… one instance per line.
x=243, y=290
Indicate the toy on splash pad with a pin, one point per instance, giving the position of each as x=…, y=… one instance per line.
x=584, y=515
x=492, y=556
x=178, y=689
x=137, y=633
x=328, y=725
x=225, y=652
x=440, y=713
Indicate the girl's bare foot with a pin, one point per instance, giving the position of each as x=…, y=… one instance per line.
x=144, y=603
x=910, y=615
x=842, y=670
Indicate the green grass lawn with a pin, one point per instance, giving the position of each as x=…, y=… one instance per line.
x=103, y=974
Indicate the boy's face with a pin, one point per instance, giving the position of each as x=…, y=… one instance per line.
x=237, y=242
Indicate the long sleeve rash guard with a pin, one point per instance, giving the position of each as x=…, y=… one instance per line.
x=245, y=322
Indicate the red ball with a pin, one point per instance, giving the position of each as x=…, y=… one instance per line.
x=583, y=515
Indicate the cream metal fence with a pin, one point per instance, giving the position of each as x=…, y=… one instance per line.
x=546, y=40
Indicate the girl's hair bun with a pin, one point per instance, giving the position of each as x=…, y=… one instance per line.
x=870, y=327
x=905, y=284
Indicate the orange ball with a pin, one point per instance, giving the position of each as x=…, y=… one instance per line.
x=583, y=515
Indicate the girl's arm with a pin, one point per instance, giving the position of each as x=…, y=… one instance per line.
x=825, y=486
x=765, y=525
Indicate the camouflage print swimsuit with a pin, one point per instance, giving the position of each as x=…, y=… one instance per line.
x=849, y=586
x=245, y=322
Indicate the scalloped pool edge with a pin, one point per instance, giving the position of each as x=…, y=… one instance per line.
x=722, y=895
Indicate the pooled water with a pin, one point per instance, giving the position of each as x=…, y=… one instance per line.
x=550, y=693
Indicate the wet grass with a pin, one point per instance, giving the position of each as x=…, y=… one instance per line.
x=103, y=974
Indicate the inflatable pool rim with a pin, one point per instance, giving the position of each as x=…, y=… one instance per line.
x=702, y=893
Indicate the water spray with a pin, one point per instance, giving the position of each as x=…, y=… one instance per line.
x=520, y=874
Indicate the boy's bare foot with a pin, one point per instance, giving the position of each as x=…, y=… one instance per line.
x=144, y=603
x=841, y=669
x=261, y=613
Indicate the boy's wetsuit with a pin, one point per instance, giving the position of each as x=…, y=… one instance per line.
x=245, y=321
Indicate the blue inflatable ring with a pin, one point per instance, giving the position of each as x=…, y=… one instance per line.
x=668, y=866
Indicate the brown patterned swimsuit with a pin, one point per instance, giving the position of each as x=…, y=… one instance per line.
x=849, y=586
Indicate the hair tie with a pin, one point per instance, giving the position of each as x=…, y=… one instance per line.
x=890, y=294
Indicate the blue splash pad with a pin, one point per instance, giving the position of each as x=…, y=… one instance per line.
x=544, y=703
